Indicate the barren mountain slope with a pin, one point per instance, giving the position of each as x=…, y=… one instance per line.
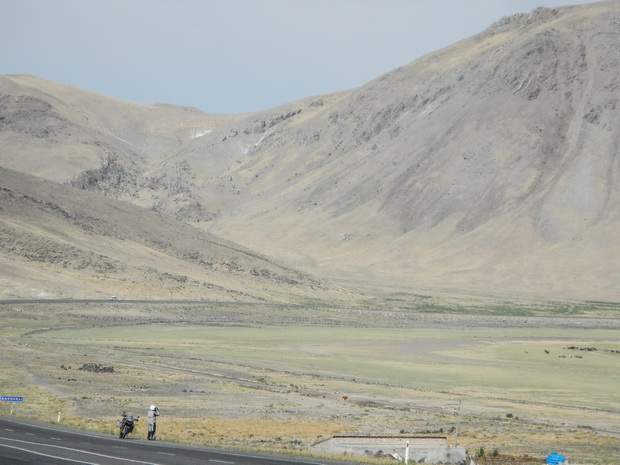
x=489, y=166
x=58, y=241
x=59, y=132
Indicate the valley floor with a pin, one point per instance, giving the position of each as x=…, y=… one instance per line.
x=284, y=377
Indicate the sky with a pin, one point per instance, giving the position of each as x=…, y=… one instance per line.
x=233, y=56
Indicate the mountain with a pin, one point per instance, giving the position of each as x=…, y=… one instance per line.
x=59, y=241
x=488, y=167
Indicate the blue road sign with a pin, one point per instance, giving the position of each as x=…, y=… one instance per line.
x=11, y=398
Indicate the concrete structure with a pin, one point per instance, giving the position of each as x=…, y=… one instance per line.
x=427, y=449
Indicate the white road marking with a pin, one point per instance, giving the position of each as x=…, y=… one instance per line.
x=47, y=455
x=122, y=459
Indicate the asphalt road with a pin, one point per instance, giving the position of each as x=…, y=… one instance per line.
x=118, y=301
x=26, y=442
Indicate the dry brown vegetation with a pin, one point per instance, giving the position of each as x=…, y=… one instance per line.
x=273, y=378
x=58, y=241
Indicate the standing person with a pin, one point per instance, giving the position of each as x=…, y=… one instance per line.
x=152, y=415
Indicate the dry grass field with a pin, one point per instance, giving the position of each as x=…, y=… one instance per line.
x=280, y=378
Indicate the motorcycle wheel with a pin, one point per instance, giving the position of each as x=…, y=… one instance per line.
x=124, y=432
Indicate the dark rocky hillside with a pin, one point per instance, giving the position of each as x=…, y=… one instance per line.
x=489, y=167
x=58, y=241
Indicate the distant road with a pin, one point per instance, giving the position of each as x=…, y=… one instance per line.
x=34, y=443
x=124, y=301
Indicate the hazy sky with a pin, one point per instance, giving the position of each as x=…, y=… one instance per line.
x=232, y=56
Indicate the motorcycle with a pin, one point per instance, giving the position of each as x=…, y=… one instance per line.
x=126, y=424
